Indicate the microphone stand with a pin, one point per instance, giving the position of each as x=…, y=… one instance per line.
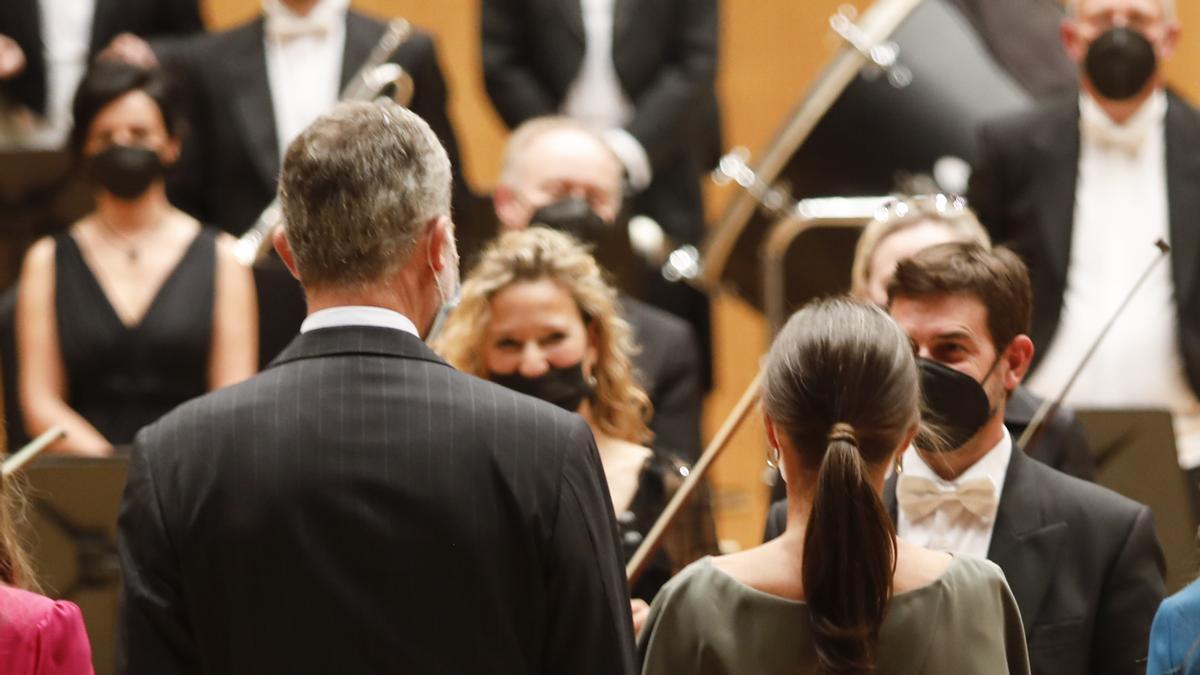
x=1050, y=406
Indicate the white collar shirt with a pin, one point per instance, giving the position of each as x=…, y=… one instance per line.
x=1121, y=208
x=956, y=531
x=359, y=315
x=304, y=63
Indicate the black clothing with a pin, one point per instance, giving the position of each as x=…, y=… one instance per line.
x=362, y=507
x=121, y=378
x=1084, y=563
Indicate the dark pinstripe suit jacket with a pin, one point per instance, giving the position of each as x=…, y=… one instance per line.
x=361, y=507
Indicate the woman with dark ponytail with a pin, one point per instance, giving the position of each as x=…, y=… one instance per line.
x=838, y=593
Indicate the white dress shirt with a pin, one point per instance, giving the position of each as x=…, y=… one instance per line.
x=304, y=63
x=956, y=530
x=1121, y=208
x=359, y=315
x=66, y=29
x=596, y=99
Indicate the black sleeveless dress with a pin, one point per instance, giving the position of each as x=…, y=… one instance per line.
x=121, y=378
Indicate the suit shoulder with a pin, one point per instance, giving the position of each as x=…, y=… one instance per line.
x=1074, y=494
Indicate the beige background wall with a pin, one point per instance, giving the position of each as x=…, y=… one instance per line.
x=771, y=49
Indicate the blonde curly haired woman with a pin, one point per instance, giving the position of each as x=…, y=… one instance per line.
x=536, y=315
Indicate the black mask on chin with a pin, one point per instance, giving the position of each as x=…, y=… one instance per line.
x=1120, y=62
x=954, y=402
x=565, y=387
x=573, y=216
x=125, y=170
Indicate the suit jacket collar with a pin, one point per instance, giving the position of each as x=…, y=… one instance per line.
x=362, y=34
x=1056, y=148
x=1183, y=194
x=356, y=341
x=103, y=12
x=1024, y=544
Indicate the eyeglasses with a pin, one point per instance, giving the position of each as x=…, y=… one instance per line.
x=934, y=205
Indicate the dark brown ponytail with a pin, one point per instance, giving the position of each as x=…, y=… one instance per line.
x=841, y=383
x=849, y=559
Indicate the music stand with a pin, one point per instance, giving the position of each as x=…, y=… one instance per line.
x=1135, y=456
x=72, y=531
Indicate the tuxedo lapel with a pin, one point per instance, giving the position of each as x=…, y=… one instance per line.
x=1183, y=194
x=246, y=67
x=100, y=17
x=623, y=11
x=1057, y=155
x=1023, y=544
x=572, y=13
x=362, y=35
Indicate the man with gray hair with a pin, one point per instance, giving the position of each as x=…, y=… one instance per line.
x=361, y=506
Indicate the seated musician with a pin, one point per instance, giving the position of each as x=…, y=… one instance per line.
x=537, y=316
x=137, y=307
x=557, y=172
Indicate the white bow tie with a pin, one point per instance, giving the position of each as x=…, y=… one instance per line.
x=920, y=497
x=283, y=27
x=1128, y=140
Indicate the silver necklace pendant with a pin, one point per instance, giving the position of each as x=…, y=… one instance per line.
x=132, y=254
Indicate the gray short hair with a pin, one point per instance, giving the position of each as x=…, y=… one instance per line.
x=356, y=187
x=531, y=130
x=1168, y=7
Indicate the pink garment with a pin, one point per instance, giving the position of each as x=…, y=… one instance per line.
x=40, y=636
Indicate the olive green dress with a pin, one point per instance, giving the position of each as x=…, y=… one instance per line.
x=705, y=622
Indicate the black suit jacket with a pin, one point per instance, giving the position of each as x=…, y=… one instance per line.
x=228, y=171
x=664, y=53
x=1083, y=562
x=1024, y=192
x=669, y=364
x=362, y=507
x=21, y=20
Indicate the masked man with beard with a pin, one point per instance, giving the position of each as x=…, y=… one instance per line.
x=1083, y=562
x=1081, y=187
x=560, y=174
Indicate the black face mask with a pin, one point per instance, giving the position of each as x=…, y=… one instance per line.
x=573, y=216
x=564, y=387
x=125, y=170
x=1120, y=62
x=954, y=402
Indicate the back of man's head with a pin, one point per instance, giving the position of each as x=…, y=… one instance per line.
x=996, y=277
x=357, y=187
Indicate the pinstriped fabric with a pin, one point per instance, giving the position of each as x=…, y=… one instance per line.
x=360, y=506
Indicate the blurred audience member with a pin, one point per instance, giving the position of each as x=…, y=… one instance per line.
x=46, y=45
x=137, y=307
x=537, y=316
x=560, y=174
x=1175, y=634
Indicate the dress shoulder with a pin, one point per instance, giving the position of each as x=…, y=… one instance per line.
x=41, y=636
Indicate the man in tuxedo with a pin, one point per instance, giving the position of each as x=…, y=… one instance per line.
x=1081, y=187
x=559, y=173
x=45, y=47
x=252, y=88
x=1083, y=562
x=642, y=75
x=361, y=506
